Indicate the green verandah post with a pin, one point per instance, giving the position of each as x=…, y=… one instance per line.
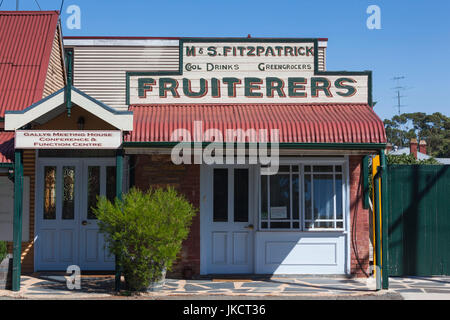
x=119, y=183
x=384, y=220
x=17, y=223
x=376, y=210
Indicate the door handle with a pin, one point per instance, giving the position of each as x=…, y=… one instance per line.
x=250, y=226
x=84, y=223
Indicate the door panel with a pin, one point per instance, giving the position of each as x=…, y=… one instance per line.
x=94, y=255
x=226, y=214
x=57, y=202
x=66, y=227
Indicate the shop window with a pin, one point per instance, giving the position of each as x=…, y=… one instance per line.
x=318, y=205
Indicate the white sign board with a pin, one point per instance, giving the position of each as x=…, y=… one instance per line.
x=248, y=72
x=278, y=213
x=62, y=139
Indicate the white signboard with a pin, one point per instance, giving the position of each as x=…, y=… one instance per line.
x=278, y=213
x=248, y=72
x=62, y=139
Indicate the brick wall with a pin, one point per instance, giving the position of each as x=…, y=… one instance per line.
x=159, y=171
x=359, y=220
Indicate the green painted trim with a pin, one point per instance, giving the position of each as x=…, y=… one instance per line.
x=384, y=220
x=119, y=192
x=377, y=208
x=17, y=224
x=366, y=190
x=347, y=146
x=6, y=165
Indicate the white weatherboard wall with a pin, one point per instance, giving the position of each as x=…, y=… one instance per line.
x=100, y=71
x=100, y=65
x=7, y=209
x=300, y=253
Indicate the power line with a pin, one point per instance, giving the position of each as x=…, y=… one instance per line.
x=62, y=5
x=1, y=3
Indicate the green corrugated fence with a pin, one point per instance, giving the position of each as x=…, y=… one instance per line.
x=419, y=220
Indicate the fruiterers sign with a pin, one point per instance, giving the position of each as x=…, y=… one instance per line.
x=248, y=72
x=43, y=139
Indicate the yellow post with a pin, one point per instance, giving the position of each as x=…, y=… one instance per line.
x=376, y=184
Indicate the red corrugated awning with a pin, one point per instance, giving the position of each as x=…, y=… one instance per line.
x=26, y=39
x=297, y=123
x=6, y=147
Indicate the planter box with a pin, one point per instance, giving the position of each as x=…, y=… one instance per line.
x=6, y=267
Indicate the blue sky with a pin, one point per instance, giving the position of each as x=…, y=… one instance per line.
x=414, y=40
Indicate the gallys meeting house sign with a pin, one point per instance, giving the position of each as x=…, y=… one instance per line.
x=263, y=71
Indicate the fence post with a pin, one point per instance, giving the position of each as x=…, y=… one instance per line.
x=384, y=220
x=119, y=182
x=377, y=211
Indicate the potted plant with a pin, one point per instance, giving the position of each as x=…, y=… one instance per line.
x=145, y=231
x=6, y=263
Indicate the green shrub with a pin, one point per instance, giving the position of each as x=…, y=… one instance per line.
x=3, y=250
x=409, y=159
x=145, y=231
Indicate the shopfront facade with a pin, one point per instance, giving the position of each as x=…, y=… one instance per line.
x=265, y=142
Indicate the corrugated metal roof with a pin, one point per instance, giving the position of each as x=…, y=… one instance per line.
x=25, y=46
x=6, y=147
x=297, y=123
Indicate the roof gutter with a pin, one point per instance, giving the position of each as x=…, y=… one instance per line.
x=315, y=146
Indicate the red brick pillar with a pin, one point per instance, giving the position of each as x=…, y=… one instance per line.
x=359, y=221
x=413, y=147
x=423, y=146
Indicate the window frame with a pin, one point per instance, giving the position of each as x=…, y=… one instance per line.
x=301, y=163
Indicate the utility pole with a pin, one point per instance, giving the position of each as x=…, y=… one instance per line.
x=17, y=5
x=398, y=90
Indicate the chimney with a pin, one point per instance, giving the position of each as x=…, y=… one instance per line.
x=388, y=147
x=423, y=146
x=413, y=147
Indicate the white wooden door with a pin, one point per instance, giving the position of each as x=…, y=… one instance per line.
x=227, y=219
x=66, y=228
x=57, y=206
x=99, y=179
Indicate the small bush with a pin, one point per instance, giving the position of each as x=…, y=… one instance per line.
x=409, y=159
x=145, y=231
x=3, y=250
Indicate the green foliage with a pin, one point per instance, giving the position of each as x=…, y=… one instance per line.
x=408, y=159
x=433, y=128
x=3, y=250
x=145, y=231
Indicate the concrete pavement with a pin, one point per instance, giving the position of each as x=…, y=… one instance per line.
x=42, y=286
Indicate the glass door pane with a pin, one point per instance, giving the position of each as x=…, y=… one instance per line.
x=68, y=203
x=220, y=197
x=50, y=193
x=111, y=183
x=93, y=190
x=241, y=195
